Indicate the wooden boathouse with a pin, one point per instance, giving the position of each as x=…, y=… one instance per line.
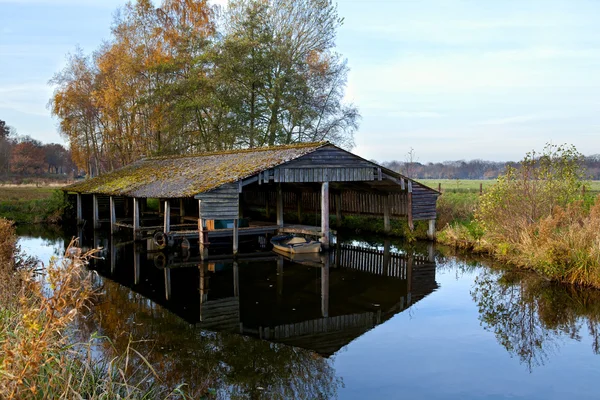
x=206, y=196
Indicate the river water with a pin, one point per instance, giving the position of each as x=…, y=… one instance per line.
x=374, y=319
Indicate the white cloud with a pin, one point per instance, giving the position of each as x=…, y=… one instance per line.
x=25, y=98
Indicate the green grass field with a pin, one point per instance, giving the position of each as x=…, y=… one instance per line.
x=30, y=204
x=472, y=185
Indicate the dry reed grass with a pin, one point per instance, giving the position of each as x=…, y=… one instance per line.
x=39, y=358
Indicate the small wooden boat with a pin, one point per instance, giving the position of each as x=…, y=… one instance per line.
x=295, y=244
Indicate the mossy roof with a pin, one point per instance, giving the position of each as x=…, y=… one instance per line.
x=186, y=176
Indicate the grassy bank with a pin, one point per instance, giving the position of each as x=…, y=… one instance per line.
x=31, y=205
x=538, y=217
x=473, y=185
x=39, y=315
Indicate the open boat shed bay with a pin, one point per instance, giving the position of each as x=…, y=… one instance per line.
x=248, y=192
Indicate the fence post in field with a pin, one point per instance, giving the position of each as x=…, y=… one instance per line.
x=480, y=188
x=440, y=187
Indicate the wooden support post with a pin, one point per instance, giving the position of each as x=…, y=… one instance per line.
x=325, y=215
x=95, y=218
x=440, y=187
x=167, y=222
x=279, y=206
x=201, y=223
x=235, y=237
x=409, y=269
x=203, y=288
x=136, y=218
x=325, y=287
x=181, y=211
x=386, y=257
x=480, y=188
x=113, y=257
x=299, y=206
x=387, y=227
x=236, y=279
x=113, y=216
x=338, y=210
x=79, y=210
x=168, y=283
x=409, y=213
x=430, y=252
x=137, y=261
x=431, y=230
x=267, y=205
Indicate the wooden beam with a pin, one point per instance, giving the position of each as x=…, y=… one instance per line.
x=136, y=218
x=279, y=205
x=167, y=219
x=79, y=210
x=113, y=215
x=409, y=212
x=95, y=217
x=235, y=236
x=387, y=227
x=431, y=230
x=325, y=215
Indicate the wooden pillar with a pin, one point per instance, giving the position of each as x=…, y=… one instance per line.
x=279, y=206
x=409, y=270
x=79, y=210
x=325, y=215
x=236, y=279
x=431, y=230
x=136, y=218
x=113, y=257
x=386, y=258
x=95, y=221
x=325, y=287
x=167, y=222
x=181, y=211
x=387, y=227
x=167, y=283
x=201, y=223
x=202, y=267
x=235, y=237
x=409, y=212
x=136, y=264
x=430, y=252
x=338, y=210
x=267, y=205
x=113, y=216
x=299, y=206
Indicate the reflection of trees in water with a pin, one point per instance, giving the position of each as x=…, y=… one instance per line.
x=530, y=315
x=231, y=365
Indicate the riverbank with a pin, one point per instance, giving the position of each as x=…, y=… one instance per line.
x=31, y=204
x=43, y=351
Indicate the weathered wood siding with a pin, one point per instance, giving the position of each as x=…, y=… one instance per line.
x=221, y=203
x=423, y=202
x=353, y=203
x=327, y=164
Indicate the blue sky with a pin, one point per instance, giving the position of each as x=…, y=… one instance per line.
x=450, y=79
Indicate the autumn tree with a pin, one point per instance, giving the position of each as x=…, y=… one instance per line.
x=27, y=156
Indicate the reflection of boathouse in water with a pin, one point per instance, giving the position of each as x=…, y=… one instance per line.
x=317, y=302
x=242, y=193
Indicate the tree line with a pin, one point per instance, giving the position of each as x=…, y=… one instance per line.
x=25, y=156
x=474, y=169
x=188, y=77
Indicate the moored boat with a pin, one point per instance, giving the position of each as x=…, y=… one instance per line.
x=295, y=244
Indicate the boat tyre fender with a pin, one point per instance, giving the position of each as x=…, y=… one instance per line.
x=160, y=240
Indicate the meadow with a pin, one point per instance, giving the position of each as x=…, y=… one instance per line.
x=473, y=185
x=31, y=204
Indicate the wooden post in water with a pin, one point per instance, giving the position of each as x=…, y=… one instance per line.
x=338, y=210
x=299, y=206
x=409, y=212
x=181, y=211
x=79, y=210
x=167, y=222
x=136, y=218
x=386, y=257
x=325, y=287
x=201, y=232
x=95, y=221
x=409, y=270
x=113, y=215
x=235, y=237
x=168, y=283
x=136, y=264
x=279, y=206
x=236, y=279
x=431, y=230
x=385, y=199
x=325, y=215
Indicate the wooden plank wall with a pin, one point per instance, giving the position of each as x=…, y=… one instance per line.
x=353, y=203
x=423, y=202
x=221, y=203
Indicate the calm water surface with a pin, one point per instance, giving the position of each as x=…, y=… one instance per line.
x=374, y=320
